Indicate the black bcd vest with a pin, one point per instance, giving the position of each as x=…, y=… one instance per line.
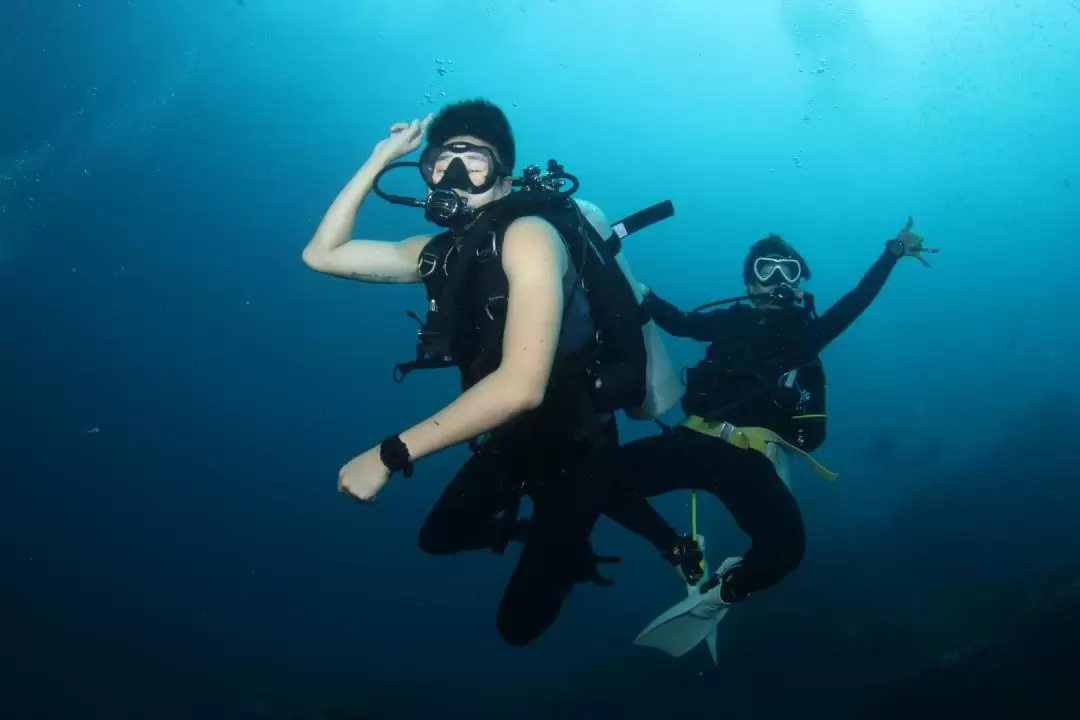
x=737, y=372
x=467, y=295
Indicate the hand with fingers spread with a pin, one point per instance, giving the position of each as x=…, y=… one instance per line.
x=911, y=244
x=404, y=138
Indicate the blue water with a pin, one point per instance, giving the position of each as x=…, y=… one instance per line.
x=177, y=391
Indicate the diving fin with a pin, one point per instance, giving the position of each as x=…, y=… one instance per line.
x=687, y=623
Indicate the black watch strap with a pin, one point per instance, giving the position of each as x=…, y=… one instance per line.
x=896, y=247
x=395, y=456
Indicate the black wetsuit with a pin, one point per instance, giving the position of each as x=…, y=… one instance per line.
x=478, y=510
x=749, y=349
x=540, y=454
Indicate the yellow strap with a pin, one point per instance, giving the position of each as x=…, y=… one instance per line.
x=704, y=564
x=693, y=513
x=754, y=438
x=769, y=436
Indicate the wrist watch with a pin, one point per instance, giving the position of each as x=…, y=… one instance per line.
x=395, y=456
x=896, y=247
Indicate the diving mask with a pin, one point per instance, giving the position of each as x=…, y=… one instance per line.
x=771, y=270
x=449, y=171
x=456, y=168
x=452, y=169
x=473, y=169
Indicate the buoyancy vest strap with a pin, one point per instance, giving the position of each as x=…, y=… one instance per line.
x=638, y=221
x=423, y=361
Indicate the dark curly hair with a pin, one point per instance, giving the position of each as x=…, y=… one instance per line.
x=774, y=246
x=480, y=118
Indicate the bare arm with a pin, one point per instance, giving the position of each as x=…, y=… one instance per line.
x=332, y=251
x=535, y=261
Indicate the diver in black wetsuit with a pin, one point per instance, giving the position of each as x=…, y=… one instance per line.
x=530, y=299
x=759, y=393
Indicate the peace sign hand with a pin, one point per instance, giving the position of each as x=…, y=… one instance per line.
x=403, y=139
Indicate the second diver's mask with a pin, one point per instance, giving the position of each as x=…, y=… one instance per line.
x=771, y=270
x=780, y=276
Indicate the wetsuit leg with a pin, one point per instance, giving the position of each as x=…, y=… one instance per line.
x=641, y=518
x=556, y=556
x=464, y=516
x=556, y=553
x=743, y=480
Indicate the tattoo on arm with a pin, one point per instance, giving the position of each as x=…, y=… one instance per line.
x=372, y=277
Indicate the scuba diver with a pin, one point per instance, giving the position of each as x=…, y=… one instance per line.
x=530, y=299
x=758, y=395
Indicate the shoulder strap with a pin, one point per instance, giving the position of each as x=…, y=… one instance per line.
x=618, y=367
x=461, y=269
x=430, y=263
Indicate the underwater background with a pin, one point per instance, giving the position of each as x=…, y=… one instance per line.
x=177, y=391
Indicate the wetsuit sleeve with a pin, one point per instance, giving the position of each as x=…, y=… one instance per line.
x=704, y=327
x=847, y=309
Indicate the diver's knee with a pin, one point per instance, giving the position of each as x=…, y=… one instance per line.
x=531, y=604
x=433, y=539
x=516, y=626
x=795, y=547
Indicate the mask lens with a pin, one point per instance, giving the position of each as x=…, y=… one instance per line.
x=775, y=270
x=477, y=166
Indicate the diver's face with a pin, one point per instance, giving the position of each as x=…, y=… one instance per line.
x=762, y=295
x=771, y=273
x=479, y=167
